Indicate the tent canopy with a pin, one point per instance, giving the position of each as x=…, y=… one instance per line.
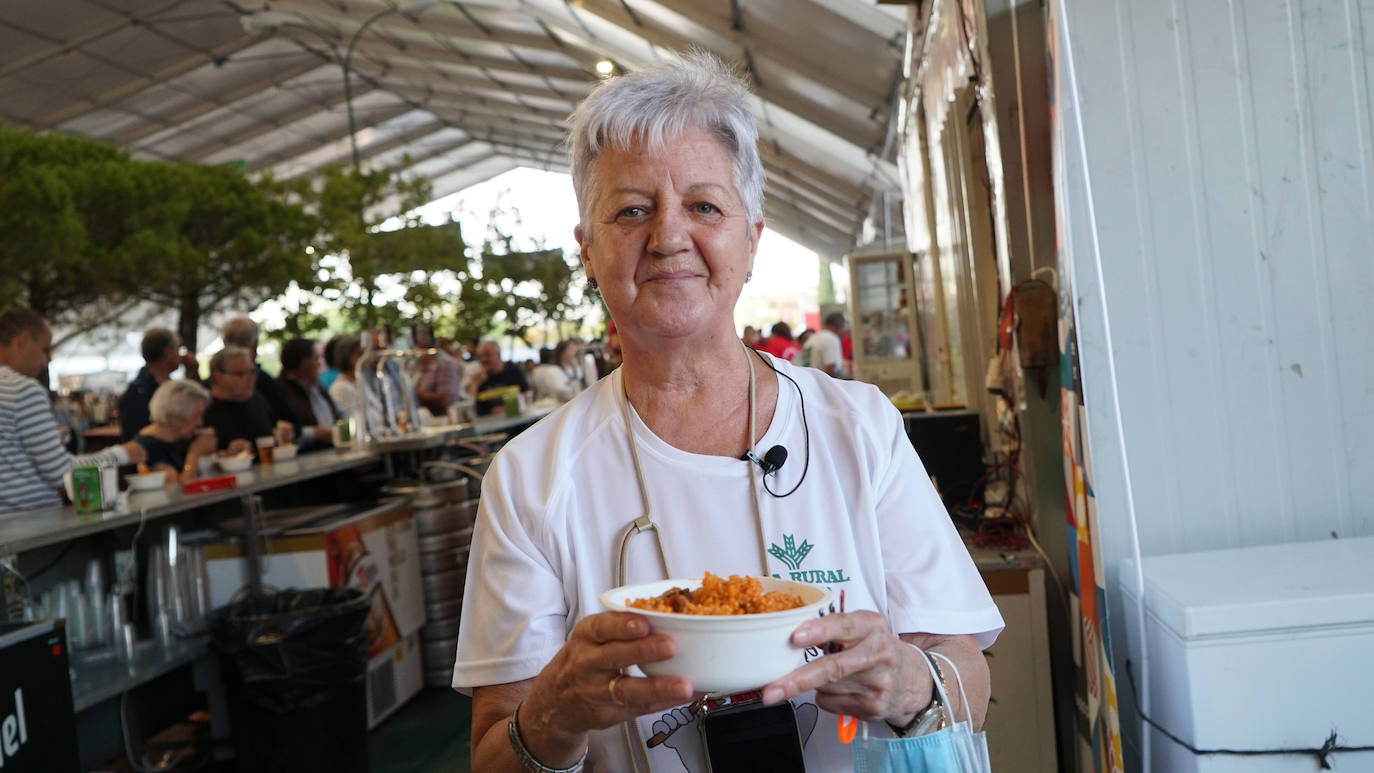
x=464, y=90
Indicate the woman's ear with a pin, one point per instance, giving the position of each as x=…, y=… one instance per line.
x=581, y=237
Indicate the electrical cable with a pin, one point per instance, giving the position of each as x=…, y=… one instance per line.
x=1328, y=747
x=1076, y=100
x=55, y=559
x=806, y=430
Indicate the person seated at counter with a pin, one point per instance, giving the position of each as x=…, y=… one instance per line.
x=176, y=440
x=344, y=391
x=439, y=382
x=161, y=350
x=495, y=373
x=237, y=411
x=32, y=459
x=243, y=332
x=300, y=381
x=562, y=377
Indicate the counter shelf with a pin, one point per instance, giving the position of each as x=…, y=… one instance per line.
x=37, y=528
x=99, y=675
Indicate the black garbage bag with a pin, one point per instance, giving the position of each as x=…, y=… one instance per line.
x=294, y=665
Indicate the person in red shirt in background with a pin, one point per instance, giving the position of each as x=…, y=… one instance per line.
x=780, y=343
x=752, y=339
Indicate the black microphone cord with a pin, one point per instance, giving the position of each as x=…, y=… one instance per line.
x=806, y=431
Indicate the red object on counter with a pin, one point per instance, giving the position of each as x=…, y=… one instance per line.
x=203, y=485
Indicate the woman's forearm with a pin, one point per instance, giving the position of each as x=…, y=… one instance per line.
x=972, y=666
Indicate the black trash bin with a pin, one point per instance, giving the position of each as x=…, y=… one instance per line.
x=294, y=665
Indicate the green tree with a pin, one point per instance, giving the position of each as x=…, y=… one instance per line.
x=211, y=239
x=61, y=216
x=381, y=258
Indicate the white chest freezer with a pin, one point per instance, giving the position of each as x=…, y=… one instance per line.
x=1257, y=648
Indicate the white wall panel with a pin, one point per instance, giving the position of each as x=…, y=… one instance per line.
x=1228, y=195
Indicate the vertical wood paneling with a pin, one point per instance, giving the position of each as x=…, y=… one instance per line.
x=1230, y=166
x=1230, y=153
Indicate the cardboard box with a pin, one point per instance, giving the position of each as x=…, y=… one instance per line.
x=372, y=547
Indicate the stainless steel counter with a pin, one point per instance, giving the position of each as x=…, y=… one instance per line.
x=36, y=528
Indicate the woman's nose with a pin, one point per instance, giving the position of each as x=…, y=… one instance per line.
x=669, y=234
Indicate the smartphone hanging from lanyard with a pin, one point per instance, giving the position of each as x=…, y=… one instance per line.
x=753, y=738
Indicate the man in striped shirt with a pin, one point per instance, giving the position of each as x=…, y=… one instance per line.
x=32, y=459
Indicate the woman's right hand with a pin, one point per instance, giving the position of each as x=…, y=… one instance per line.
x=238, y=446
x=582, y=688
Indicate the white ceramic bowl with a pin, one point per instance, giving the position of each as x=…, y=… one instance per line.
x=282, y=453
x=148, y=481
x=726, y=653
x=239, y=463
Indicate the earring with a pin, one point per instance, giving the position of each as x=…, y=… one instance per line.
x=748, y=275
x=592, y=284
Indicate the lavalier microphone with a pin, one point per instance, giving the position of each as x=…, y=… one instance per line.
x=772, y=460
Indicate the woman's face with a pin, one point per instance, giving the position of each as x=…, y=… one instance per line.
x=667, y=239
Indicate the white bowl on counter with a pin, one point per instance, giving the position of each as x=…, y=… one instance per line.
x=147, y=481
x=239, y=463
x=283, y=453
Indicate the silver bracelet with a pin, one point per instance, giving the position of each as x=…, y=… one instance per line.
x=523, y=754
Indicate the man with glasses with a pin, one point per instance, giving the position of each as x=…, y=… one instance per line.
x=238, y=413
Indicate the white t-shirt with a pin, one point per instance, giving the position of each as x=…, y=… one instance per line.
x=826, y=351
x=553, y=381
x=558, y=497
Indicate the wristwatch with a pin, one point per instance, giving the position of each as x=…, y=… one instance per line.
x=932, y=717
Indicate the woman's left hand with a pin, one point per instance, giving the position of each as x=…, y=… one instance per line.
x=875, y=676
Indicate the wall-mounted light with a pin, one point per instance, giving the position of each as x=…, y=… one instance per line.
x=605, y=68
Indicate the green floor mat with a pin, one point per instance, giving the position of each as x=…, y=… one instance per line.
x=429, y=734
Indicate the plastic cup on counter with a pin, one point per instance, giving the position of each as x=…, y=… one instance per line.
x=266, y=444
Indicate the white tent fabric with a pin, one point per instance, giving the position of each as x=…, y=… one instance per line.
x=465, y=89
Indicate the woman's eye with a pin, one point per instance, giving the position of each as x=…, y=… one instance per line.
x=705, y=208
x=630, y=212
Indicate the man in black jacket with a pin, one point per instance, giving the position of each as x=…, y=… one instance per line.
x=161, y=351
x=300, y=380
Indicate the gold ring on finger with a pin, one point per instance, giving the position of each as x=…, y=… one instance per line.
x=615, y=696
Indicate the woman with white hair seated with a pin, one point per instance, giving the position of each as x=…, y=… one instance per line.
x=687, y=434
x=171, y=440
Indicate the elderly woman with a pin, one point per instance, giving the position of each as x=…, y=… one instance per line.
x=562, y=378
x=669, y=186
x=177, y=410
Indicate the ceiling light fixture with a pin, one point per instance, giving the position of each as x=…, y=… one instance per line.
x=605, y=67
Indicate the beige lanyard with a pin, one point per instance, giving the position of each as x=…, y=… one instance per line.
x=645, y=522
x=630, y=728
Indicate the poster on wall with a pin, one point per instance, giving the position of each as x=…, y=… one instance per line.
x=1099, y=730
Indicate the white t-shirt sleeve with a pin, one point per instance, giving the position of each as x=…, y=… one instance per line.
x=932, y=583
x=514, y=609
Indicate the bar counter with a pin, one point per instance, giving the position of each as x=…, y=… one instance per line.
x=36, y=528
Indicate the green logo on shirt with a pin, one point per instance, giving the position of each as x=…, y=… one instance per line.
x=789, y=553
x=793, y=554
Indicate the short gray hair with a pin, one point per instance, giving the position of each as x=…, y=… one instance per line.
x=660, y=103
x=240, y=331
x=219, y=363
x=175, y=399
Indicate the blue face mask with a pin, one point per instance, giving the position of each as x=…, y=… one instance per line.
x=955, y=749
x=952, y=750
